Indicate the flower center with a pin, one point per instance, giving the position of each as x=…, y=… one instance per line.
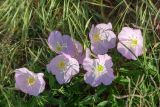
x=59, y=47
x=61, y=65
x=96, y=38
x=100, y=68
x=134, y=42
x=31, y=81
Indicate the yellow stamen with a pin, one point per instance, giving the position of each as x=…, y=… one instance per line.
x=59, y=47
x=100, y=68
x=31, y=81
x=134, y=42
x=96, y=38
x=61, y=65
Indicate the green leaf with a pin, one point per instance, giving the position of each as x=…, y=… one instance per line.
x=87, y=24
x=121, y=80
x=102, y=104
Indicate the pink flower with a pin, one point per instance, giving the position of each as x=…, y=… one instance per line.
x=65, y=44
x=130, y=43
x=61, y=44
x=102, y=38
x=64, y=67
x=29, y=82
x=99, y=70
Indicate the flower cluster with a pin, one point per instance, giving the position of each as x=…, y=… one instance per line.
x=66, y=64
x=70, y=54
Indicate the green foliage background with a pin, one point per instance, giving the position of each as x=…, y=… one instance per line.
x=24, y=29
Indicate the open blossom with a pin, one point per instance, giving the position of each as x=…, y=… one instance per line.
x=61, y=44
x=130, y=43
x=102, y=38
x=99, y=70
x=65, y=44
x=64, y=67
x=29, y=82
